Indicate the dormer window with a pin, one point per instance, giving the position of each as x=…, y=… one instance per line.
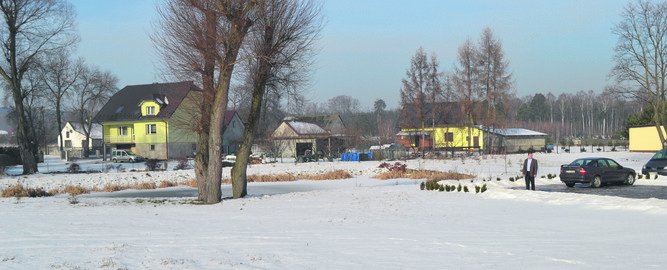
x=150, y=110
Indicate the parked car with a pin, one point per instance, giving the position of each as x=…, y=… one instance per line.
x=596, y=171
x=229, y=161
x=124, y=156
x=656, y=164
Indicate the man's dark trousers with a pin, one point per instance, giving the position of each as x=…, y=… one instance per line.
x=530, y=182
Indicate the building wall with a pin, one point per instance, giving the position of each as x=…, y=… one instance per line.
x=518, y=144
x=75, y=137
x=143, y=149
x=459, y=136
x=644, y=139
x=233, y=135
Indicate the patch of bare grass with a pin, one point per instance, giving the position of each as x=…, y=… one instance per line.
x=424, y=174
x=75, y=190
x=281, y=177
x=333, y=175
x=16, y=190
x=288, y=177
x=167, y=183
x=191, y=182
x=144, y=185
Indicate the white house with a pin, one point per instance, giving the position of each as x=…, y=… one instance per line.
x=74, y=136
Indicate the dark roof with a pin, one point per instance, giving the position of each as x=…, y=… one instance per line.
x=229, y=115
x=126, y=104
x=438, y=114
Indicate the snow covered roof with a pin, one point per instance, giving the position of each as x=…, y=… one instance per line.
x=95, y=130
x=515, y=132
x=303, y=128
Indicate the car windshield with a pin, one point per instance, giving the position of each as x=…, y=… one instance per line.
x=660, y=155
x=580, y=162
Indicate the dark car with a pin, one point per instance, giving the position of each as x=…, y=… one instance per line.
x=596, y=171
x=656, y=164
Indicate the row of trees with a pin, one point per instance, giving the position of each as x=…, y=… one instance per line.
x=479, y=82
x=38, y=71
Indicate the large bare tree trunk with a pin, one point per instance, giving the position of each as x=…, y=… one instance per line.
x=25, y=137
x=238, y=29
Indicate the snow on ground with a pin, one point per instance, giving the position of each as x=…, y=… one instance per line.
x=358, y=223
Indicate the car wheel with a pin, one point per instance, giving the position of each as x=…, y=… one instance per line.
x=568, y=184
x=597, y=182
x=630, y=180
x=114, y=160
x=131, y=161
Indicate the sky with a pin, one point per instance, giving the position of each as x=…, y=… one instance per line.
x=558, y=46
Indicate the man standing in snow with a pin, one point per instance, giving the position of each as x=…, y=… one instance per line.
x=529, y=171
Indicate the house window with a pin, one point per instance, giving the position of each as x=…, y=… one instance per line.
x=194, y=147
x=150, y=110
x=67, y=134
x=152, y=147
x=449, y=137
x=122, y=130
x=151, y=129
x=68, y=143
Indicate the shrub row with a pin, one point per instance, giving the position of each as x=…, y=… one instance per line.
x=434, y=185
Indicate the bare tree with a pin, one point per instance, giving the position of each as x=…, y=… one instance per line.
x=280, y=48
x=640, y=55
x=59, y=73
x=201, y=40
x=496, y=81
x=343, y=104
x=30, y=28
x=92, y=90
x=413, y=91
x=466, y=81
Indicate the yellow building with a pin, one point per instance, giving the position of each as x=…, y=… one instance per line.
x=644, y=139
x=442, y=125
x=151, y=120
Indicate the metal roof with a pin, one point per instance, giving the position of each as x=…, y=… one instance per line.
x=519, y=132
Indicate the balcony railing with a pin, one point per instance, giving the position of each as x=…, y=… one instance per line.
x=119, y=139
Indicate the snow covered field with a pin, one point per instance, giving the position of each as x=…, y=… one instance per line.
x=358, y=223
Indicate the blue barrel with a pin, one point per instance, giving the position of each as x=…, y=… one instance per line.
x=355, y=156
x=343, y=156
x=370, y=155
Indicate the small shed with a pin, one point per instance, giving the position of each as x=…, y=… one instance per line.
x=293, y=138
x=514, y=140
x=644, y=138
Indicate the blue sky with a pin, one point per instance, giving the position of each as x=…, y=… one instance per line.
x=365, y=46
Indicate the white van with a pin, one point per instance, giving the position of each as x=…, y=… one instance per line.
x=124, y=156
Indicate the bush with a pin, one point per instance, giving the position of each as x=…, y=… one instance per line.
x=153, y=164
x=422, y=186
x=481, y=190
x=476, y=189
x=74, y=168
x=183, y=164
x=639, y=176
x=511, y=179
x=396, y=167
x=441, y=188
x=459, y=188
x=465, y=189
